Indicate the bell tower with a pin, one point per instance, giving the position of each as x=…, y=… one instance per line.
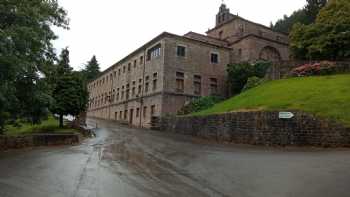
x=224, y=15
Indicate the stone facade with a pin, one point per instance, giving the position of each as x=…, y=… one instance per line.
x=164, y=74
x=260, y=128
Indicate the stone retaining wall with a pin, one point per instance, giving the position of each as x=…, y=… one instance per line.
x=261, y=128
x=12, y=142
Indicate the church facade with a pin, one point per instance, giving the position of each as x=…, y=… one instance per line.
x=164, y=74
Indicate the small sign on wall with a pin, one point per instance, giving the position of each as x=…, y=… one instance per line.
x=285, y=115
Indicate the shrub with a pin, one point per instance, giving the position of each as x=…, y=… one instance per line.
x=253, y=82
x=199, y=104
x=323, y=68
x=238, y=74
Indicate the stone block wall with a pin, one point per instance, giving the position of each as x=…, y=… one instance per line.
x=18, y=142
x=261, y=128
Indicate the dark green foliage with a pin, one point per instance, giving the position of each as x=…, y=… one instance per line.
x=69, y=92
x=252, y=83
x=200, y=104
x=285, y=25
x=70, y=96
x=328, y=38
x=92, y=69
x=238, y=74
x=26, y=53
x=312, y=9
x=63, y=66
x=305, y=16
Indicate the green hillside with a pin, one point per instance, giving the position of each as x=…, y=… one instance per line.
x=325, y=96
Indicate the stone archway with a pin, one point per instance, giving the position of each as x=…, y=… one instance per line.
x=270, y=54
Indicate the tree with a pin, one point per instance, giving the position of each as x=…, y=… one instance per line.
x=328, y=38
x=69, y=93
x=305, y=16
x=312, y=9
x=238, y=74
x=71, y=96
x=26, y=51
x=63, y=66
x=92, y=69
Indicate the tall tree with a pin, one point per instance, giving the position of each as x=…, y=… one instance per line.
x=70, y=96
x=69, y=93
x=312, y=9
x=63, y=66
x=92, y=69
x=328, y=38
x=26, y=50
x=306, y=16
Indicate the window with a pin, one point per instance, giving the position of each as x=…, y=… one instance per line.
x=135, y=62
x=155, y=75
x=153, y=110
x=120, y=115
x=181, y=51
x=154, y=84
x=180, y=82
x=220, y=34
x=116, y=115
x=214, y=58
x=141, y=60
x=146, y=87
x=125, y=114
x=140, y=89
x=137, y=112
x=123, y=69
x=133, y=91
x=145, y=112
x=213, y=86
x=129, y=67
x=153, y=52
x=197, y=83
x=119, y=71
x=127, y=91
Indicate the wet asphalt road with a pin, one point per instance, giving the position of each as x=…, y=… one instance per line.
x=130, y=162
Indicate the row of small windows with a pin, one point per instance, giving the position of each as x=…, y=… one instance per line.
x=123, y=93
x=151, y=54
x=125, y=115
x=181, y=52
x=197, y=84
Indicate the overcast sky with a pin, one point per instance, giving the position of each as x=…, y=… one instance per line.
x=112, y=29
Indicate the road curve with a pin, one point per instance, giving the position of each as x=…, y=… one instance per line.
x=127, y=162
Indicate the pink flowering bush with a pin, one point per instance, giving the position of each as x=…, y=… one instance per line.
x=323, y=68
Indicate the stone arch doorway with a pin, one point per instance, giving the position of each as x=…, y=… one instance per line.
x=270, y=54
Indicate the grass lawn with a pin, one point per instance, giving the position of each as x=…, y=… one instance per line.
x=324, y=96
x=48, y=126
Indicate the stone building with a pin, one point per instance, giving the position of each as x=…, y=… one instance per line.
x=167, y=72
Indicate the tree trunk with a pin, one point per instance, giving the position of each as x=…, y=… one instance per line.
x=61, y=121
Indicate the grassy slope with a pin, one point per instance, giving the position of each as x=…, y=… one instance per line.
x=49, y=126
x=326, y=96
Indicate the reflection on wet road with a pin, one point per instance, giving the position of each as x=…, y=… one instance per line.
x=132, y=162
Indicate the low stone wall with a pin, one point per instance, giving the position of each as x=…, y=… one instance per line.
x=261, y=128
x=17, y=142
